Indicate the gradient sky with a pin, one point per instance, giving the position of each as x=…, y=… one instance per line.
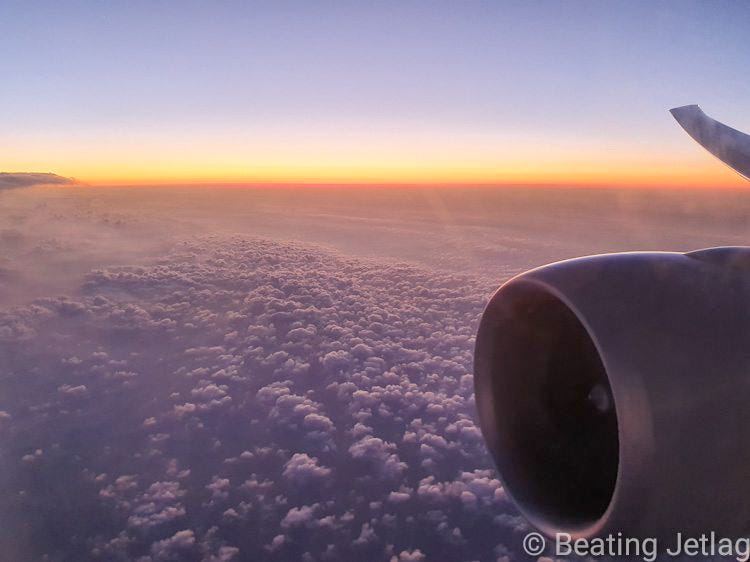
x=475, y=92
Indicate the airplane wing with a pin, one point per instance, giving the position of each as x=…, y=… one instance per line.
x=729, y=145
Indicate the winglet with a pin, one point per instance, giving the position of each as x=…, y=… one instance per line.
x=729, y=145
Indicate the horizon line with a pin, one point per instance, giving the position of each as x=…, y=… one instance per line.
x=741, y=185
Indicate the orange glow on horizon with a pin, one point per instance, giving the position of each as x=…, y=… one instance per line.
x=693, y=177
x=372, y=157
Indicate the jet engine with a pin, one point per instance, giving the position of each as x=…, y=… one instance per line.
x=614, y=393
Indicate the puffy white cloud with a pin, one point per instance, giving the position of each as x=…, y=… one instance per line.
x=366, y=536
x=303, y=469
x=185, y=409
x=409, y=556
x=159, y=504
x=379, y=455
x=68, y=390
x=209, y=391
x=174, y=547
x=276, y=543
x=151, y=515
x=299, y=516
x=317, y=422
x=225, y=554
x=219, y=488
x=399, y=497
x=336, y=360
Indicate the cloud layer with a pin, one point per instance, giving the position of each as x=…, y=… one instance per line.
x=244, y=399
x=212, y=390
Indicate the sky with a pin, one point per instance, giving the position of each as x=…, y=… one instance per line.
x=148, y=92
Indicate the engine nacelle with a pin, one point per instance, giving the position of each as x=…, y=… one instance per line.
x=614, y=393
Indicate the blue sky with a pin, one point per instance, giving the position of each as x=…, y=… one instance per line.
x=314, y=72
